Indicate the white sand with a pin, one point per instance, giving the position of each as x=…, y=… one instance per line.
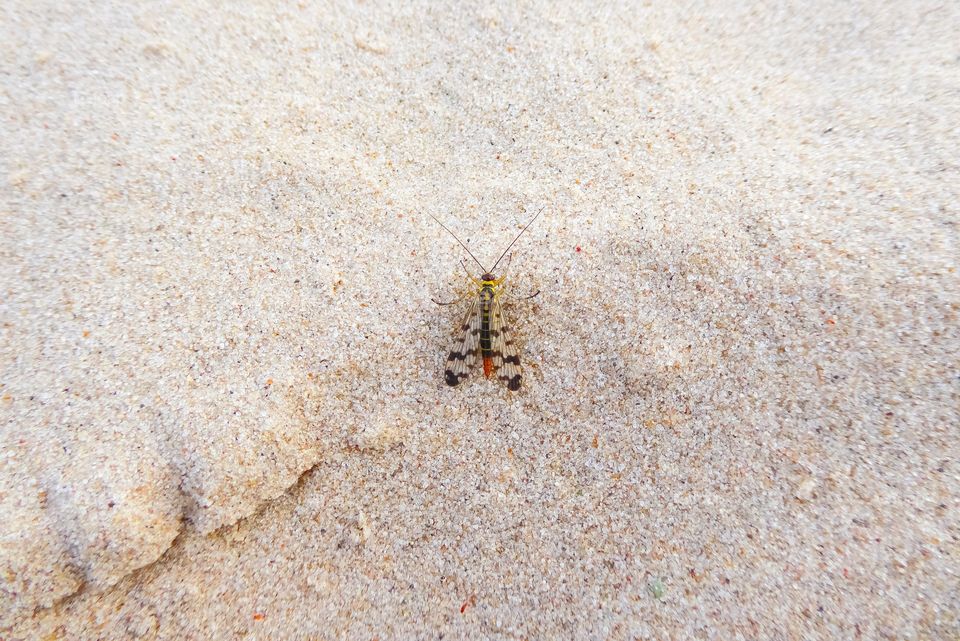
x=742, y=397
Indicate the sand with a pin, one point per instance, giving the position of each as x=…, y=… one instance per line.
x=221, y=370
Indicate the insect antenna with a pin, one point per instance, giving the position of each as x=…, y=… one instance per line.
x=515, y=239
x=461, y=243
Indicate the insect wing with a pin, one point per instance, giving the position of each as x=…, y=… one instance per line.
x=463, y=356
x=506, y=358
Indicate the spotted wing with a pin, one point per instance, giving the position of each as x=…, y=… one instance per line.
x=463, y=356
x=506, y=357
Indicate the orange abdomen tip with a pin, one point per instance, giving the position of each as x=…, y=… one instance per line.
x=487, y=366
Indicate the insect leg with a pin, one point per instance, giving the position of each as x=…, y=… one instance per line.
x=469, y=275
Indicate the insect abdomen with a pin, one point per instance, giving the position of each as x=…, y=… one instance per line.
x=486, y=340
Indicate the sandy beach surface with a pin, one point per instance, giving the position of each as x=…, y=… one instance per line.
x=221, y=373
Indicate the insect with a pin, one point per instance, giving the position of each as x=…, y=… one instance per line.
x=486, y=332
